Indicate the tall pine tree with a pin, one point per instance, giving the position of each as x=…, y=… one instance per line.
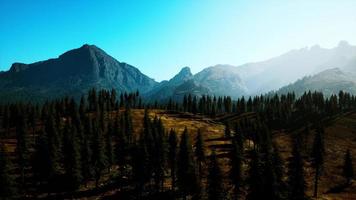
x=235, y=174
x=72, y=159
x=348, y=170
x=98, y=157
x=186, y=176
x=7, y=181
x=255, y=179
x=199, y=151
x=296, y=182
x=172, y=154
x=214, y=188
x=22, y=146
x=318, y=157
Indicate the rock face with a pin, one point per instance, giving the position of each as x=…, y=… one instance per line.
x=184, y=75
x=72, y=73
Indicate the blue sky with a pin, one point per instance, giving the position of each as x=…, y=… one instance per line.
x=160, y=37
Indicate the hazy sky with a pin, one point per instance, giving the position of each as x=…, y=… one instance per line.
x=162, y=36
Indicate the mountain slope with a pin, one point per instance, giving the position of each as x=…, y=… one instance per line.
x=329, y=82
x=72, y=73
x=166, y=89
x=261, y=77
x=274, y=73
x=222, y=80
x=217, y=80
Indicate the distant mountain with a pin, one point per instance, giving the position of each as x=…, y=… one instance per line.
x=217, y=80
x=274, y=73
x=261, y=77
x=166, y=89
x=329, y=82
x=222, y=80
x=72, y=73
x=190, y=87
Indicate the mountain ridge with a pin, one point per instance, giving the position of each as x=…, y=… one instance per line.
x=73, y=73
x=88, y=66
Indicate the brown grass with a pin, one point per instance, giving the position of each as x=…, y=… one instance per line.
x=340, y=135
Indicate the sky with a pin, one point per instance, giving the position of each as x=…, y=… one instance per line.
x=160, y=37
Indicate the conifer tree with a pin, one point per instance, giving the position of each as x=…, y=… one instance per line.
x=7, y=181
x=54, y=146
x=98, y=148
x=109, y=146
x=22, y=146
x=159, y=154
x=199, y=151
x=186, y=177
x=86, y=159
x=42, y=163
x=141, y=173
x=227, y=130
x=318, y=157
x=296, y=182
x=128, y=130
x=120, y=148
x=239, y=136
x=271, y=189
x=185, y=103
x=236, y=168
x=255, y=178
x=32, y=119
x=172, y=154
x=6, y=120
x=278, y=166
x=71, y=151
x=82, y=108
x=214, y=189
x=348, y=170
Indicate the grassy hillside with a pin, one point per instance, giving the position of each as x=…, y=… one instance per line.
x=339, y=136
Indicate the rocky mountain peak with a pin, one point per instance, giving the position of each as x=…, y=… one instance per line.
x=185, y=71
x=184, y=75
x=75, y=70
x=18, y=67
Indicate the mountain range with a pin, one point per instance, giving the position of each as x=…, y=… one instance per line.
x=75, y=71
